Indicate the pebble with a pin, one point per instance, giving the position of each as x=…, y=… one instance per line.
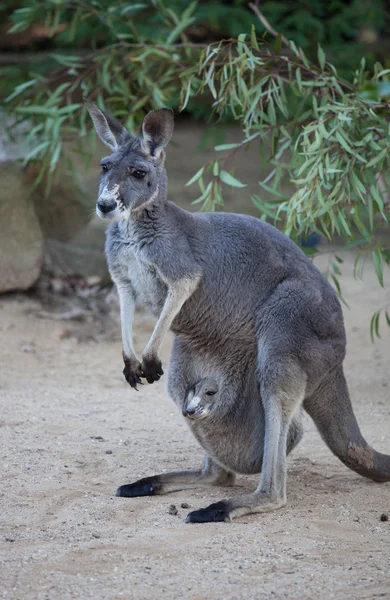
x=28, y=348
x=108, y=451
x=384, y=517
x=185, y=505
x=172, y=510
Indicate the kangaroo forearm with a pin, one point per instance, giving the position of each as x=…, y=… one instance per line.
x=178, y=294
x=127, y=306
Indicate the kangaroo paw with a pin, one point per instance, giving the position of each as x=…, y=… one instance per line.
x=132, y=372
x=152, y=369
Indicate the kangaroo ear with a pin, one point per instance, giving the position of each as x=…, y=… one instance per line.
x=157, y=129
x=110, y=131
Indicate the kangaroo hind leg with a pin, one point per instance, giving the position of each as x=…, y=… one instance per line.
x=210, y=474
x=282, y=386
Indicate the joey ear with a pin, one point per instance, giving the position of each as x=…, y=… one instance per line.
x=110, y=131
x=157, y=129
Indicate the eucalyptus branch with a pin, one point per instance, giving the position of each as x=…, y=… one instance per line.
x=266, y=23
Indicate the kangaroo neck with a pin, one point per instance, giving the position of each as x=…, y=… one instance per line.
x=146, y=216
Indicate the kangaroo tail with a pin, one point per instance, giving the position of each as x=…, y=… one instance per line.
x=331, y=410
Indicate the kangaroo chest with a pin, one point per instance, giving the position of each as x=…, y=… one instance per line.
x=128, y=266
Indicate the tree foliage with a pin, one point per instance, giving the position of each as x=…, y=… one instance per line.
x=326, y=133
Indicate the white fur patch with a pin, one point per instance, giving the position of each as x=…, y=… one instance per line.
x=193, y=405
x=110, y=194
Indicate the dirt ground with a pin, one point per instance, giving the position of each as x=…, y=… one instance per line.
x=72, y=431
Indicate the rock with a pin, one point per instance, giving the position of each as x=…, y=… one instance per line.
x=21, y=238
x=82, y=255
x=12, y=137
x=66, y=209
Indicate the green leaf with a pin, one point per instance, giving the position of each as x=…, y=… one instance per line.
x=55, y=156
x=222, y=147
x=37, y=151
x=254, y=38
x=378, y=264
x=337, y=284
x=321, y=57
x=230, y=180
x=377, y=158
x=197, y=176
x=343, y=142
x=278, y=43
x=272, y=190
x=20, y=88
x=299, y=79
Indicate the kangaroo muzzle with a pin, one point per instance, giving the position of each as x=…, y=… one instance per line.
x=195, y=409
x=106, y=207
x=108, y=201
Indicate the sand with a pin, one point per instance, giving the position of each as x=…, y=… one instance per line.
x=72, y=431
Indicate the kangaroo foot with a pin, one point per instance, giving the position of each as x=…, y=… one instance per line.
x=227, y=510
x=148, y=486
x=219, y=511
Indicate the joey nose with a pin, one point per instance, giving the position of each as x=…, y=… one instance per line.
x=188, y=412
x=106, y=207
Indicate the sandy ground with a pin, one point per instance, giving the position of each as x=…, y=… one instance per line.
x=72, y=431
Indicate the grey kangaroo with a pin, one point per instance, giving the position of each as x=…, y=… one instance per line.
x=246, y=308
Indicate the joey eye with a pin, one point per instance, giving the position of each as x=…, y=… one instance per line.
x=210, y=393
x=138, y=174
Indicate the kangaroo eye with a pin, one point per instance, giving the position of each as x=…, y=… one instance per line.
x=139, y=174
x=105, y=167
x=210, y=393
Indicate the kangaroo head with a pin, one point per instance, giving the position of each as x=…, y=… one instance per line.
x=133, y=174
x=200, y=400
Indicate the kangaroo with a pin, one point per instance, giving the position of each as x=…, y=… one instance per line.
x=201, y=400
x=246, y=308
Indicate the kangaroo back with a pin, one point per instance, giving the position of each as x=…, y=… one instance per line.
x=331, y=410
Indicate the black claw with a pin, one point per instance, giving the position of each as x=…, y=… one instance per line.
x=149, y=486
x=132, y=375
x=132, y=378
x=219, y=511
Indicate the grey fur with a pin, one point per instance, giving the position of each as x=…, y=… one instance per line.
x=248, y=309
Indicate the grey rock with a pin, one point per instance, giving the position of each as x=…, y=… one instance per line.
x=21, y=238
x=82, y=255
x=66, y=209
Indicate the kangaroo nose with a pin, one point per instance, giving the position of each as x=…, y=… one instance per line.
x=188, y=412
x=106, y=207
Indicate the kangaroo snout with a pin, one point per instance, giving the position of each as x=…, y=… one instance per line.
x=106, y=207
x=189, y=412
x=196, y=409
